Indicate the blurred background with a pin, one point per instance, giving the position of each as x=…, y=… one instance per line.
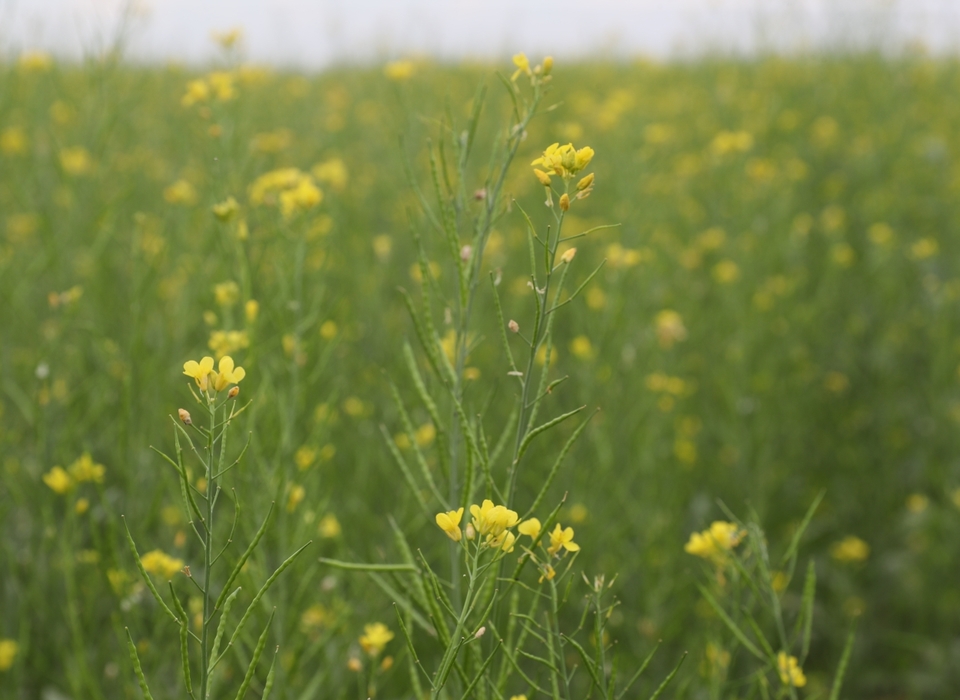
x=776, y=318
x=319, y=34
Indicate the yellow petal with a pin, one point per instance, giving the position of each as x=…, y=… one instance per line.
x=206, y=364
x=238, y=374
x=191, y=368
x=226, y=365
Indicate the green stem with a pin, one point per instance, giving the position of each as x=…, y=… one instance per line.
x=207, y=558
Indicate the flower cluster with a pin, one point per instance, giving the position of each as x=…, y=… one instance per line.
x=565, y=161
x=715, y=542
x=291, y=188
x=62, y=480
x=206, y=377
x=375, y=637
x=790, y=671
x=160, y=563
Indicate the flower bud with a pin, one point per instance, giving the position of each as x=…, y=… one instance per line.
x=585, y=183
x=568, y=255
x=564, y=202
x=513, y=326
x=480, y=194
x=465, y=252
x=480, y=633
x=234, y=391
x=185, y=416
x=547, y=65
x=542, y=177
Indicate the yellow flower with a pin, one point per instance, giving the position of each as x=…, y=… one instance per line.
x=180, y=192
x=222, y=85
x=227, y=374
x=790, y=671
x=332, y=172
x=197, y=91
x=562, y=538
x=76, y=160
x=58, y=480
x=226, y=293
x=565, y=160
x=530, y=527
x=548, y=572
x=200, y=371
x=582, y=348
x=542, y=177
x=161, y=564
x=850, y=549
x=670, y=328
x=715, y=542
x=492, y=520
x=399, y=70
x=375, y=638
x=226, y=209
x=229, y=38
x=35, y=61
x=509, y=540
x=449, y=522
x=329, y=526
x=296, y=495
x=13, y=141
x=225, y=342
x=522, y=63
x=8, y=652
x=84, y=469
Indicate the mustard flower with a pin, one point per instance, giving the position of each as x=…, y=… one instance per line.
x=375, y=637
x=492, y=520
x=547, y=572
x=790, y=671
x=85, y=469
x=449, y=522
x=8, y=652
x=399, y=70
x=522, y=63
x=530, y=528
x=58, y=480
x=200, y=371
x=160, y=563
x=562, y=538
x=197, y=91
x=565, y=161
x=715, y=542
x=227, y=374
x=226, y=209
x=850, y=549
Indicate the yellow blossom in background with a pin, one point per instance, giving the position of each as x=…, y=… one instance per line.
x=222, y=85
x=399, y=70
x=8, y=653
x=35, y=61
x=843, y=255
x=518, y=697
x=328, y=330
x=670, y=328
x=924, y=248
x=273, y=141
x=850, y=549
x=731, y=142
x=837, y=382
x=726, y=272
x=449, y=522
x=197, y=91
x=226, y=342
x=329, y=526
x=578, y=513
x=562, y=538
x=226, y=293
x=382, y=246
x=314, y=617
x=790, y=671
x=354, y=407
x=880, y=234
x=522, y=63
x=304, y=457
x=917, y=502
x=228, y=39
x=85, y=469
x=13, y=141
x=251, y=310
x=81, y=506
x=530, y=528
x=226, y=374
x=425, y=434
x=582, y=348
x=226, y=210
x=76, y=160
x=161, y=564
x=295, y=496
x=200, y=371
x=716, y=541
x=331, y=172
x=375, y=638
x=58, y=480
x=180, y=192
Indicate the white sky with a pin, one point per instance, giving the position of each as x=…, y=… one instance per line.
x=315, y=33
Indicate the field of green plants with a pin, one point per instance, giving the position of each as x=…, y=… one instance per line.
x=757, y=340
